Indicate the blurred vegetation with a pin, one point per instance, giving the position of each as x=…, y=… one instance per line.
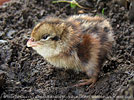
x=72, y=3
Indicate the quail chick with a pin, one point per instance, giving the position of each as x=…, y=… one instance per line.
x=79, y=42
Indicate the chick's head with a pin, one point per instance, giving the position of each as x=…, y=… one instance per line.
x=49, y=37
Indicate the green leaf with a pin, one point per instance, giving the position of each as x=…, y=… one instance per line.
x=102, y=11
x=54, y=1
x=72, y=5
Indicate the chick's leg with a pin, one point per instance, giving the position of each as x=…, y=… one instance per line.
x=91, y=82
x=93, y=74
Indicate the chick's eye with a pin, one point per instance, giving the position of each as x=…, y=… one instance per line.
x=56, y=38
x=45, y=37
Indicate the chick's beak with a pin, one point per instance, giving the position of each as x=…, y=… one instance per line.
x=31, y=43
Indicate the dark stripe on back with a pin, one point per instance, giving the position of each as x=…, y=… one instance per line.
x=91, y=29
x=103, y=38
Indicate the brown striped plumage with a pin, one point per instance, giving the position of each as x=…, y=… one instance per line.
x=79, y=42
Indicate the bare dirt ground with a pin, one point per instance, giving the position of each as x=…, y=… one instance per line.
x=29, y=76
